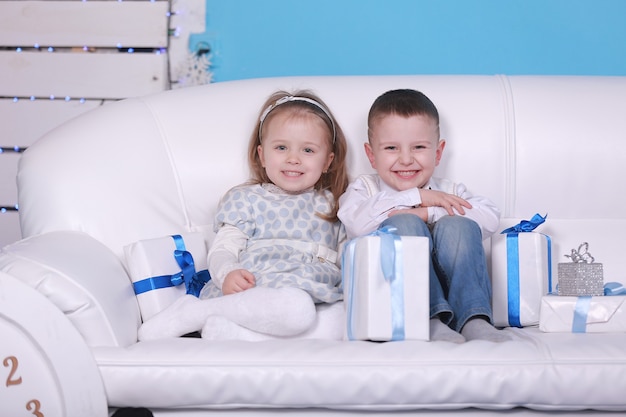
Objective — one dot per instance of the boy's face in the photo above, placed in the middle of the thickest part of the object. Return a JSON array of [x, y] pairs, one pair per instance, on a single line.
[[404, 150]]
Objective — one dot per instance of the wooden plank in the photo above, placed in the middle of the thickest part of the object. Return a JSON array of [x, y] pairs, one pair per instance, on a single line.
[[9, 228], [82, 75], [24, 121], [8, 172], [84, 23]]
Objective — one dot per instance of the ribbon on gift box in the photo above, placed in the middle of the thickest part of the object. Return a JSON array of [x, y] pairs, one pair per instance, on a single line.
[[581, 309], [194, 281], [392, 266], [512, 263]]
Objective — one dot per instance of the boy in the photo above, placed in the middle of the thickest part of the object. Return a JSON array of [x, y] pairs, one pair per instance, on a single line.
[[404, 148]]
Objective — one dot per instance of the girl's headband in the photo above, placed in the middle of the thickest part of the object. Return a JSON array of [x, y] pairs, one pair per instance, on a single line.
[[286, 99]]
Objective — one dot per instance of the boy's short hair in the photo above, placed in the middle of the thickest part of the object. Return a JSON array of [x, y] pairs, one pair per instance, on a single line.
[[403, 102]]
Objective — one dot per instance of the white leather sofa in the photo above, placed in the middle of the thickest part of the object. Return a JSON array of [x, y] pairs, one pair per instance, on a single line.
[[155, 166]]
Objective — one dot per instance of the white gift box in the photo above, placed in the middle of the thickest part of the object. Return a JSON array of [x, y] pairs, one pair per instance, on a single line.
[[521, 275], [157, 276], [379, 309], [585, 314]]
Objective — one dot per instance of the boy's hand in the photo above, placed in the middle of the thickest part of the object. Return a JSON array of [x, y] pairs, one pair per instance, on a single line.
[[237, 281], [450, 202], [421, 212]]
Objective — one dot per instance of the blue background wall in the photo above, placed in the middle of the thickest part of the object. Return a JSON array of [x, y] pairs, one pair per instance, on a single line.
[[251, 38]]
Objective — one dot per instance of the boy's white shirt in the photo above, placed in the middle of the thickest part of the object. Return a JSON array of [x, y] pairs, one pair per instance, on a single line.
[[368, 201]]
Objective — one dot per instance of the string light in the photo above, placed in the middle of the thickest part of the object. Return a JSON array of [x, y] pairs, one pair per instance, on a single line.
[[51, 98], [4, 209], [16, 149]]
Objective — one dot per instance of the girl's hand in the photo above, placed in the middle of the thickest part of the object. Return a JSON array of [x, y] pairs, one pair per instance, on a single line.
[[237, 281], [450, 202]]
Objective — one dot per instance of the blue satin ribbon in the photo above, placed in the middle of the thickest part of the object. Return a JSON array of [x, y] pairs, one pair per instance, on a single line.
[[392, 267], [512, 265], [526, 225], [583, 303], [391, 264], [347, 258], [512, 273], [194, 281], [581, 309], [614, 288]]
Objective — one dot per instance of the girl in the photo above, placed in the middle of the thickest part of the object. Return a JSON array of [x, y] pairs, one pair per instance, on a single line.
[[275, 254]]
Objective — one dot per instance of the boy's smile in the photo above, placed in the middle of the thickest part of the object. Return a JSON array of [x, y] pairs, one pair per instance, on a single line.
[[404, 150]]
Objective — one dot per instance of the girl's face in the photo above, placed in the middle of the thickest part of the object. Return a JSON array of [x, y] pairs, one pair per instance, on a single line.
[[404, 150], [294, 150]]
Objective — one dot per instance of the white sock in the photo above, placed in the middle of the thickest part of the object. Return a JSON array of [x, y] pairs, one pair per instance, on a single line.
[[439, 331], [183, 316], [220, 328], [481, 329], [273, 311]]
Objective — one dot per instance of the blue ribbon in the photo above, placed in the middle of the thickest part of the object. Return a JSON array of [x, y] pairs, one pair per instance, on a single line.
[[512, 273], [512, 265], [581, 309], [347, 258], [614, 288], [391, 265], [194, 281], [526, 225]]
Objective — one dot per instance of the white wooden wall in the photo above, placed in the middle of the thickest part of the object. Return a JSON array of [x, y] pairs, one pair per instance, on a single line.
[[59, 59]]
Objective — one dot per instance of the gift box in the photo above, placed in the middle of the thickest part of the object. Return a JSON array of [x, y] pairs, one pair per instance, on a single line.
[[163, 269], [582, 276], [586, 314], [521, 273], [386, 293]]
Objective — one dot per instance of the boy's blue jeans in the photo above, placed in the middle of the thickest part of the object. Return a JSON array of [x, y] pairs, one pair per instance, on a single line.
[[460, 287]]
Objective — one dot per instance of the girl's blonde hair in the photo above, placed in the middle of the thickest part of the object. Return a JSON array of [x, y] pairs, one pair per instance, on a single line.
[[336, 178]]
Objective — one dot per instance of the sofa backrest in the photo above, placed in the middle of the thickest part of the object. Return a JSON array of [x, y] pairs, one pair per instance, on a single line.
[[158, 165]]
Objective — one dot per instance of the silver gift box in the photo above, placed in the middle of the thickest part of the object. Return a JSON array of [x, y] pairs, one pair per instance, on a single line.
[[580, 278]]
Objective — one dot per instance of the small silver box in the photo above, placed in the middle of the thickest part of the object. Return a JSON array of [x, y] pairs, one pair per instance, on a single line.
[[580, 278]]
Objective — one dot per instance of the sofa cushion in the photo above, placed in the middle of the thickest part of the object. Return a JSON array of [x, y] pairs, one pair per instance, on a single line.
[[537, 370]]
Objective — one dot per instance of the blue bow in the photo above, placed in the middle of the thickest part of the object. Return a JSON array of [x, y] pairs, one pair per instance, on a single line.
[[194, 281], [526, 225], [614, 288]]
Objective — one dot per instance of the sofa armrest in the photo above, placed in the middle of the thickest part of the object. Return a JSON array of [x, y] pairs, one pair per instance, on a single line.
[[83, 278], [46, 366]]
